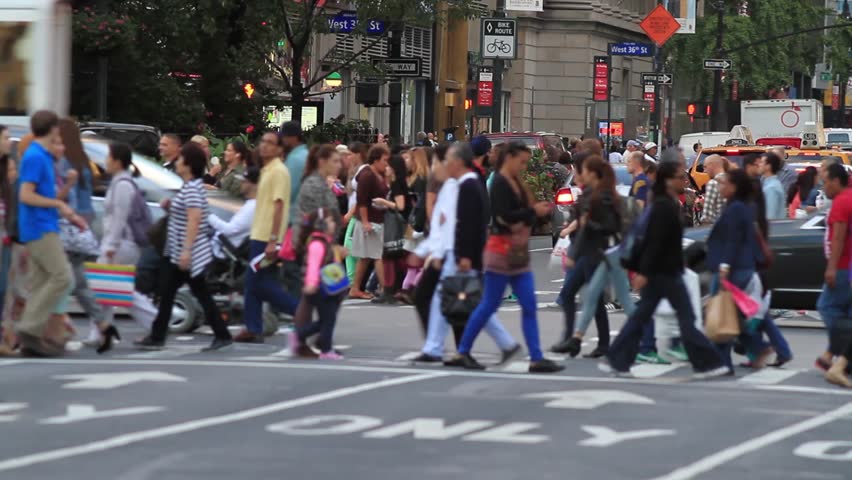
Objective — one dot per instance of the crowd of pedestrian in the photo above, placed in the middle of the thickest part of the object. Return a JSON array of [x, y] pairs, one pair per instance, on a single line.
[[443, 227]]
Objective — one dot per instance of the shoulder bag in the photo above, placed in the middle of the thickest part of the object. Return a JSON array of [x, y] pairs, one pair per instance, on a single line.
[[460, 295]]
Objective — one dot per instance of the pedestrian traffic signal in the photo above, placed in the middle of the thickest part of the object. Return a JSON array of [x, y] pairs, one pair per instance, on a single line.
[[468, 103], [707, 109], [691, 108], [249, 90]]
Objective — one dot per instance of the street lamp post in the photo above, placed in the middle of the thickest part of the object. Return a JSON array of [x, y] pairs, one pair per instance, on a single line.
[[716, 118]]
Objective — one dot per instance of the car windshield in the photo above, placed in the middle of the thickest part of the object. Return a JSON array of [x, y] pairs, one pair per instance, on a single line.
[[736, 158], [531, 142], [812, 158], [838, 138], [553, 141]]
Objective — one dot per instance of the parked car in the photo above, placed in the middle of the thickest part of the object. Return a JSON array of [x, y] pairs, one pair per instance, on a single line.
[[142, 138], [839, 137], [535, 141], [796, 275]]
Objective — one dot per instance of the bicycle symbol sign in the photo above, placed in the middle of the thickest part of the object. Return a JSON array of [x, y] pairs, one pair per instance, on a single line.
[[499, 39]]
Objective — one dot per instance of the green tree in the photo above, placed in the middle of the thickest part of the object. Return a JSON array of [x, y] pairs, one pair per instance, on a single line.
[[758, 69], [290, 28]]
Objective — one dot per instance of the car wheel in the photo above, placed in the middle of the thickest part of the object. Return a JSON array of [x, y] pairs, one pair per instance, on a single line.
[[186, 314]]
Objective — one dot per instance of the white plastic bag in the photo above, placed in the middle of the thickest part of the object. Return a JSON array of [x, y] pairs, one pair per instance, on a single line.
[[665, 317], [559, 251]]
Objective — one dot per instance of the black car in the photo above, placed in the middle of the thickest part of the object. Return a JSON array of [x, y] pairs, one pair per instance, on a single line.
[[796, 276], [142, 138]]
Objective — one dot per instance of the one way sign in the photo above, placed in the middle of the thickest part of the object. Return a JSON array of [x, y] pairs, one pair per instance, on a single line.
[[660, 78], [718, 64]]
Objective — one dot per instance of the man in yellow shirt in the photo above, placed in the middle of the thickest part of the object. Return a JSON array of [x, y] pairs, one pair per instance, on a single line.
[[267, 231]]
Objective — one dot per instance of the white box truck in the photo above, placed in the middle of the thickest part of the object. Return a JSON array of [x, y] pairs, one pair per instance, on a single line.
[[779, 118]]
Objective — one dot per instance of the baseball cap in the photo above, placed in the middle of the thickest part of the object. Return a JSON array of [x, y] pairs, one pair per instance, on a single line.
[[633, 143], [252, 174], [480, 145], [649, 146], [291, 129]]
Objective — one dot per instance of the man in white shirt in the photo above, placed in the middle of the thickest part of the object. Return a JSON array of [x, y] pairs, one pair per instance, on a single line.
[[440, 247], [237, 229]]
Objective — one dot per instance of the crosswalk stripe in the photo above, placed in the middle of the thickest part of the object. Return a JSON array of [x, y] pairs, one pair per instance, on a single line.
[[769, 376], [516, 367], [647, 370]]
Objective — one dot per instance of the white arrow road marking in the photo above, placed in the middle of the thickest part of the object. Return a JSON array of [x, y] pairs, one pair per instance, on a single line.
[[589, 399], [79, 413], [104, 381], [10, 407], [607, 437], [508, 433]]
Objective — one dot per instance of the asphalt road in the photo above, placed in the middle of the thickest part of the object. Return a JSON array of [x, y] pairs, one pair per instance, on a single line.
[[255, 413]]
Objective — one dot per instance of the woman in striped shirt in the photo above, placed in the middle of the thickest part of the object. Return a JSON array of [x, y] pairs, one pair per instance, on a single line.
[[188, 252]]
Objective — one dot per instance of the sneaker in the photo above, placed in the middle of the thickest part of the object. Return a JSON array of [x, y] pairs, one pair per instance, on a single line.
[[607, 368], [247, 337], [596, 353], [464, 360], [426, 358], [678, 353], [652, 358], [218, 344], [712, 373], [332, 355], [384, 300], [149, 343], [511, 298], [509, 354], [545, 366]]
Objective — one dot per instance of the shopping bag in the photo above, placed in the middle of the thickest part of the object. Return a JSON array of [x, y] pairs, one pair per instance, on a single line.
[[112, 285], [721, 321], [558, 254], [742, 300], [394, 232], [665, 318], [287, 251]]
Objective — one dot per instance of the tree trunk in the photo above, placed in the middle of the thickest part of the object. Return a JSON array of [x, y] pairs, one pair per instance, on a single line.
[[297, 98]]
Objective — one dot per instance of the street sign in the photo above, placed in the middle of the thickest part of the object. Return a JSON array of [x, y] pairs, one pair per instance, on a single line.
[[485, 89], [525, 5], [401, 67], [631, 49], [649, 95], [658, 78], [499, 38], [718, 63], [660, 25], [347, 22], [600, 93]]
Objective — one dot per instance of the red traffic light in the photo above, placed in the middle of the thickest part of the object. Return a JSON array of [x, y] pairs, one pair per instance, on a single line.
[[249, 90], [468, 103], [691, 109], [707, 109]]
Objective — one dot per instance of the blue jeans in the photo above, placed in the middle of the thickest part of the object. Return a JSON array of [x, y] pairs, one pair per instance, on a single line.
[[574, 280], [327, 308], [439, 328], [609, 271], [264, 286], [523, 286], [701, 353], [834, 305]]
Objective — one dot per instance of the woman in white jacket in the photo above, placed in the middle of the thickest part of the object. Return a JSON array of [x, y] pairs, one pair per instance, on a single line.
[[118, 246]]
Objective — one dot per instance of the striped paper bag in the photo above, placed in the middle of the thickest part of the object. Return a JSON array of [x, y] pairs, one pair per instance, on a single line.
[[112, 285]]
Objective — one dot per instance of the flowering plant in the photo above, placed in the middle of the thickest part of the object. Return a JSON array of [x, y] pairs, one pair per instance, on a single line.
[[541, 178], [97, 32]]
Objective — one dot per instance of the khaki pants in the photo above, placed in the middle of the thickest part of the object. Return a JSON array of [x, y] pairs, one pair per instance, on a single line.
[[50, 277]]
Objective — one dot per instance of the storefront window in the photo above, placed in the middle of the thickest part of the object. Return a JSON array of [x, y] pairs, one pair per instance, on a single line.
[[15, 54]]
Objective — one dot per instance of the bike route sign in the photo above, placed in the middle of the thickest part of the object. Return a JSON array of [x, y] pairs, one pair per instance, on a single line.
[[499, 38]]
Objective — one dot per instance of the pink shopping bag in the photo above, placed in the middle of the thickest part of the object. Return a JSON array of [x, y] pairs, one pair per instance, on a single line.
[[745, 304]]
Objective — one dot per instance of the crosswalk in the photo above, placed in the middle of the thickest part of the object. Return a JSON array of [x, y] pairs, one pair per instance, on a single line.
[[576, 368]]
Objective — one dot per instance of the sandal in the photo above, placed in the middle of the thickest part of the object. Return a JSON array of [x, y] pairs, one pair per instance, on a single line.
[[360, 296]]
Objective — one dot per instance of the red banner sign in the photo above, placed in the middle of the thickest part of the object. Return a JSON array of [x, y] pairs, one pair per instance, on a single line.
[[600, 92], [485, 94]]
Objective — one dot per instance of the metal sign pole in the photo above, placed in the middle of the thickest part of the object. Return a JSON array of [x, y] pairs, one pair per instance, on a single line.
[[499, 65], [608, 99]]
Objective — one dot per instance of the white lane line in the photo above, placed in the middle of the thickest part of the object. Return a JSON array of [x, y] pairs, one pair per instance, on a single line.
[[541, 250], [769, 376], [136, 437], [646, 370], [710, 462], [408, 369]]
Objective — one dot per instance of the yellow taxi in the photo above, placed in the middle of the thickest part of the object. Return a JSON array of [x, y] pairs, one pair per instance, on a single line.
[[799, 155], [734, 153]]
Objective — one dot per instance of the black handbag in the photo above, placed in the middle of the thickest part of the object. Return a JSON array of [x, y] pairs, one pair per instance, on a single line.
[[394, 232], [460, 295]]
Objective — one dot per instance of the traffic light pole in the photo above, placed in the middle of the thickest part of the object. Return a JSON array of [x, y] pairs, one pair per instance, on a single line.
[[716, 123], [499, 66], [608, 101], [395, 87]]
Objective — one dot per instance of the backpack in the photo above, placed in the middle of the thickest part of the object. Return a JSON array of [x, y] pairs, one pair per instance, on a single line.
[[630, 250], [139, 220]]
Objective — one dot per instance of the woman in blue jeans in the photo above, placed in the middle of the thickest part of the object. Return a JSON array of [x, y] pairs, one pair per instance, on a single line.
[[600, 222], [733, 252], [506, 258]]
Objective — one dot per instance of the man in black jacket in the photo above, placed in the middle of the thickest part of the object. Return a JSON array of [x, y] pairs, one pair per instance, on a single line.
[[660, 276]]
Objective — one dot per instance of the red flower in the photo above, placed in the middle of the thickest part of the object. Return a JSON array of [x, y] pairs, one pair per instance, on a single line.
[[250, 129], [119, 22]]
